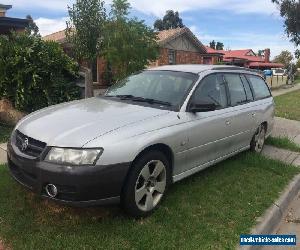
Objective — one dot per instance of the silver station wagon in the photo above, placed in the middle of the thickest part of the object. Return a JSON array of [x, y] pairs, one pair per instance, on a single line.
[[149, 130]]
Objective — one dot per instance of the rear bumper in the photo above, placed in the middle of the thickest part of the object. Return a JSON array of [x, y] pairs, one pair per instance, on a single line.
[[77, 186]]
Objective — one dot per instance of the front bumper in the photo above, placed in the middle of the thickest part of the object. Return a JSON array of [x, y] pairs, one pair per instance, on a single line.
[[77, 186]]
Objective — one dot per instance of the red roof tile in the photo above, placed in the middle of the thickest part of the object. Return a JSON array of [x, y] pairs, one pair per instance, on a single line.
[[264, 64], [237, 54]]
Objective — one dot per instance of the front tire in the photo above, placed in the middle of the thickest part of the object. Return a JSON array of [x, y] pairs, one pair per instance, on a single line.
[[146, 184], [258, 140]]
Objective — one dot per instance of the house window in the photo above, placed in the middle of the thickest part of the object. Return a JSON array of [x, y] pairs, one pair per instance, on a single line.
[[207, 60], [172, 57]]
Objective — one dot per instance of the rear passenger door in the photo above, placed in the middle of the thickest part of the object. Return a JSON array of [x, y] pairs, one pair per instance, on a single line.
[[242, 122], [263, 107], [208, 132]]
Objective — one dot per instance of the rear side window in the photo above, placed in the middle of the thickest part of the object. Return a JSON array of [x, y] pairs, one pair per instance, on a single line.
[[259, 86], [247, 87], [236, 89]]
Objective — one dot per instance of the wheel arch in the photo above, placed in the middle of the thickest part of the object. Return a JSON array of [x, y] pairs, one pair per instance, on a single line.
[[265, 124], [164, 148]]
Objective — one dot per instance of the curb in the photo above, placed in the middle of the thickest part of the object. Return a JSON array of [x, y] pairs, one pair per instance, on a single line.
[[267, 223]]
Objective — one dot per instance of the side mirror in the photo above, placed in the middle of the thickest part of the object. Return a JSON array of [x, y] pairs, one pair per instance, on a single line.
[[203, 107]]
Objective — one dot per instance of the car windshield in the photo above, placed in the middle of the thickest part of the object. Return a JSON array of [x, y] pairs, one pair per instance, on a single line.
[[154, 87]]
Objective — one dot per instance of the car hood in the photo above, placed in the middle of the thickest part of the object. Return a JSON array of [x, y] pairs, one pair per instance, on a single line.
[[77, 123]]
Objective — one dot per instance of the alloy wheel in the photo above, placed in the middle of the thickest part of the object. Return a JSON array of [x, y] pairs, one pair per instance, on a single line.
[[260, 139], [151, 185]]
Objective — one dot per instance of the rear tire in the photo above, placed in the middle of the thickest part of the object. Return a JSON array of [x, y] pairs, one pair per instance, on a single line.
[[258, 140], [146, 184]]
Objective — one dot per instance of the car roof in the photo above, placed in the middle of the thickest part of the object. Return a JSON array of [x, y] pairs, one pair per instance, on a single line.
[[198, 68]]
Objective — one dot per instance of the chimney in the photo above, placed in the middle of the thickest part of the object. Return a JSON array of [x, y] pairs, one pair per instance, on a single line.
[[267, 55], [3, 9]]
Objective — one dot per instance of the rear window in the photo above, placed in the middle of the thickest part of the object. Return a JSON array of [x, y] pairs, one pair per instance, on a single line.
[[259, 86]]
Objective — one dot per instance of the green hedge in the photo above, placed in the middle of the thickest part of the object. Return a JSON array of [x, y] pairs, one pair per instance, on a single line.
[[35, 73]]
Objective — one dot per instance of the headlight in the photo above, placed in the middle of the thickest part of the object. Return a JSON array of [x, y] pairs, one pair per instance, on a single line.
[[74, 156]]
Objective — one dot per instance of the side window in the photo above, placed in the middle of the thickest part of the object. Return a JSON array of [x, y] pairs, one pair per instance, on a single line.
[[236, 89], [247, 87], [211, 90], [259, 86]]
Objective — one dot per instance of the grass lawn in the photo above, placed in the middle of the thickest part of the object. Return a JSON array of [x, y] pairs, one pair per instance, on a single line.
[[283, 142], [5, 132], [288, 105], [206, 211]]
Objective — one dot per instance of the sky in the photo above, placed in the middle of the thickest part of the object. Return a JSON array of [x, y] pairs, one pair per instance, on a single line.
[[239, 24]]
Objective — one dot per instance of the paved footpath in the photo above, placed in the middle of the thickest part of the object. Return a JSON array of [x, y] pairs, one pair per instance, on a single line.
[[286, 156], [282, 91], [287, 128], [290, 223]]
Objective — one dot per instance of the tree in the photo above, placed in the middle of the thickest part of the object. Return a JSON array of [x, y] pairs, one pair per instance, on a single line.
[[285, 58], [35, 73], [297, 53], [85, 32], [298, 64], [216, 45], [212, 44], [32, 28], [219, 46], [159, 25], [171, 20], [129, 43], [289, 10], [261, 52]]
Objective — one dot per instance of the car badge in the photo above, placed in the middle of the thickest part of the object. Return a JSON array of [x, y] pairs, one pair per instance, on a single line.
[[24, 145]]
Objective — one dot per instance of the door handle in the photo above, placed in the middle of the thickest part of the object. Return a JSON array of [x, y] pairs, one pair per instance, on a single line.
[[227, 123]]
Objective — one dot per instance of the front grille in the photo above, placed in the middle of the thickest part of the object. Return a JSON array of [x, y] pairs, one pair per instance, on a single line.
[[34, 147]]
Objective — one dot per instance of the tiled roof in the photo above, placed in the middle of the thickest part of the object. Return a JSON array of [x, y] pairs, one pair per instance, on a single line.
[[59, 36], [270, 64], [5, 7], [213, 51], [163, 37], [237, 54], [169, 34], [242, 54], [166, 36]]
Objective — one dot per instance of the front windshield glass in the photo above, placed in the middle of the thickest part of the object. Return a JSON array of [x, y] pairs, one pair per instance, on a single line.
[[163, 86]]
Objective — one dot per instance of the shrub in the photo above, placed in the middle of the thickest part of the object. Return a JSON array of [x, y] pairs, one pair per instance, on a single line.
[[35, 73]]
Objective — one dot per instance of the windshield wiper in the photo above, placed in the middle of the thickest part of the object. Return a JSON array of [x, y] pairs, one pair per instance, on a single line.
[[150, 100], [142, 99], [125, 96], [120, 96]]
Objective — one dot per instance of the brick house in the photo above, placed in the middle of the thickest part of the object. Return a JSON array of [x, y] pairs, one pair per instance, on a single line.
[[177, 46], [246, 58], [8, 24]]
